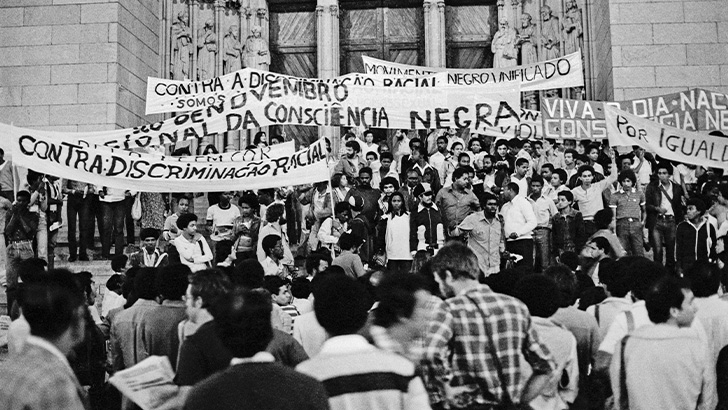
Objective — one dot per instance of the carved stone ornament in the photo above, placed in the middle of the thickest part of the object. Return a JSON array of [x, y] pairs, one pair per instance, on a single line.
[[262, 13], [248, 11], [319, 11], [334, 10]]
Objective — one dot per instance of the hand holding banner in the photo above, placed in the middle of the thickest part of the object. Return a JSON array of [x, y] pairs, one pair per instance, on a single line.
[[625, 129]]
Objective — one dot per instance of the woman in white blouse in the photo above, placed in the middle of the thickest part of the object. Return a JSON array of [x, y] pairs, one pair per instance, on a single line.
[[394, 233]]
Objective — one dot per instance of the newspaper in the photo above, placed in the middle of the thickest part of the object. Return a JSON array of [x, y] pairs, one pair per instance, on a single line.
[[149, 383]]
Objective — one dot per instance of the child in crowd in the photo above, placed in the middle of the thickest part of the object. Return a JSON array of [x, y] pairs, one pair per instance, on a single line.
[[567, 226], [694, 237]]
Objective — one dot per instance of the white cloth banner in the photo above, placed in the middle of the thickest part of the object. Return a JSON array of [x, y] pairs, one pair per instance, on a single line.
[[118, 168], [529, 127], [250, 87], [696, 148], [559, 72]]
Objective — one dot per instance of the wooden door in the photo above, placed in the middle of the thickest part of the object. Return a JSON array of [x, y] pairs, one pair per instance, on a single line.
[[293, 52], [470, 29]]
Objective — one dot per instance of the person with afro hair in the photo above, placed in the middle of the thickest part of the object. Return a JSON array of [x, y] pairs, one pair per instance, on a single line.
[[149, 255]]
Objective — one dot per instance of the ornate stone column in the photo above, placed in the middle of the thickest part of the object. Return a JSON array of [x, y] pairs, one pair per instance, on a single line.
[[327, 53], [434, 33], [219, 10]]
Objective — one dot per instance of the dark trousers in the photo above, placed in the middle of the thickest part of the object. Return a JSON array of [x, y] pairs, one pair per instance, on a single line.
[[629, 232], [96, 218], [664, 231], [128, 220], [113, 227], [399, 266], [589, 229], [523, 247], [79, 209]]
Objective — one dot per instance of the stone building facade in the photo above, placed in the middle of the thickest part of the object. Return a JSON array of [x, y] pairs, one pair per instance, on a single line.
[[82, 65]]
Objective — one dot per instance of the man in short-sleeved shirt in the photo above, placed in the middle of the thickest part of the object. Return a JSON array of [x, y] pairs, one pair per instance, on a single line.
[[456, 201], [485, 234]]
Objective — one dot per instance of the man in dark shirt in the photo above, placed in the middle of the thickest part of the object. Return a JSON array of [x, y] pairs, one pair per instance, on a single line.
[[250, 376], [20, 228], [369, 194]]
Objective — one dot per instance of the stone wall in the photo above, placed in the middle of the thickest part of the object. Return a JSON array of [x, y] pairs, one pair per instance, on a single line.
[[76, 65], [664, 46]]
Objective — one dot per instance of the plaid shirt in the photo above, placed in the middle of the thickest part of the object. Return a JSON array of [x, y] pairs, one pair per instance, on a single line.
[[457, 350]]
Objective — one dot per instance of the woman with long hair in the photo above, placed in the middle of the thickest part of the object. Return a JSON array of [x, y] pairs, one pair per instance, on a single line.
[[393, 235], [260, 139]]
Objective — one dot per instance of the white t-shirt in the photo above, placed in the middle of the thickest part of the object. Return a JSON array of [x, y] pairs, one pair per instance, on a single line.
[[222, 221]]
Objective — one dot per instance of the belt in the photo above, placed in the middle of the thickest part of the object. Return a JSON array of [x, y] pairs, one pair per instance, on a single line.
[[629, 219], [542, 228], [27, 241], [666, 216]]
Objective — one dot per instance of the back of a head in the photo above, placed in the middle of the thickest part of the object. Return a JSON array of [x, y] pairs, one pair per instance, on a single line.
[[458, 259], [333, 270], [603, 218], [115, 282], [274, 212], [301, 288], [664, 294], [614, 278], [51, 304], [570, 260], [704, 279], [397, 298], [210, 285], [531, 290], [145, 284], [32, 268], [642, 271], [249, 274], [341, 305], [172, 281], [118, 263], [565, 283], [243, 322]]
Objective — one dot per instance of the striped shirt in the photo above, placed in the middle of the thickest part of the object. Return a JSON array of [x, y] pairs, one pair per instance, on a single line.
[[628, 204], [357, 375], [293, 313]]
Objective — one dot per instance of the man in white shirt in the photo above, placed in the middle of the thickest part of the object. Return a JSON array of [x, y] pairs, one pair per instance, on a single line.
[[519, 223], [642, 167], [192, 247], [437, 160], [665, 365], [221, 217], [275, 219], [544, 208]]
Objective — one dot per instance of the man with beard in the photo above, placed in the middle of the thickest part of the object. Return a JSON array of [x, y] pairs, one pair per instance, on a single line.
[[426, 230], [388, 186], [465, 364], [368, 194], [485, 234], [350, 162], [489, 175]]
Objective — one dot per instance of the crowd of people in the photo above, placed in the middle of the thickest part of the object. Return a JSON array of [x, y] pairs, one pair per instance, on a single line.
[[437, 273]]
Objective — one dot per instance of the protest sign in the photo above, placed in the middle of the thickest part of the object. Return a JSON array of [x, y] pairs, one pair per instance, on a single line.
[[697, 148], [280, 101], [118, 168], [530, 126], [693, 110], [560, 72], [149, 383], [252, 154]]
